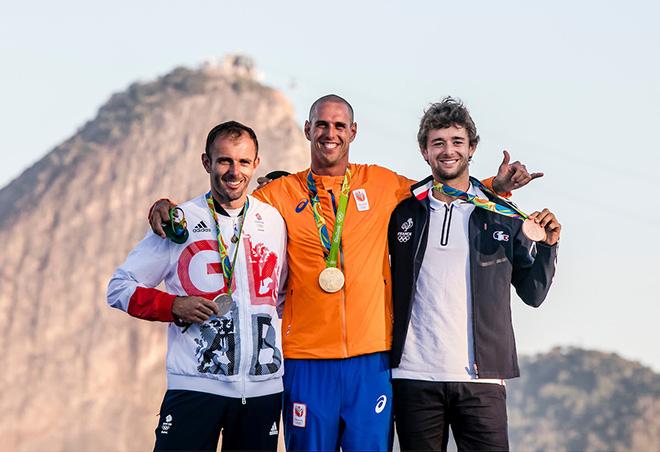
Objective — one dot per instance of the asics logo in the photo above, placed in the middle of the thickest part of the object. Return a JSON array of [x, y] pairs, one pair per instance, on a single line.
[[380, 404], [301, 205]]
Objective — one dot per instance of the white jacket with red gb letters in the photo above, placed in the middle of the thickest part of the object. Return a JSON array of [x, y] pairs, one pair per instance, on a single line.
[[239, 354]]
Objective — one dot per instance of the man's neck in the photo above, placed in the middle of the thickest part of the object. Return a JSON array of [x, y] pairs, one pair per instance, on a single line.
[[460, 183], [229, 205], [337, 170]]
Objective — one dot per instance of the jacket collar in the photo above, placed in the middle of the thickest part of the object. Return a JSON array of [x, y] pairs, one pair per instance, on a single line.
[[420, 190]]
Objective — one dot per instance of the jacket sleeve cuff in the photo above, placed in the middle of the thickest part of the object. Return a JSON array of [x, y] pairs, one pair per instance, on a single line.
[[151, 304], [489, 185], [544, 248]]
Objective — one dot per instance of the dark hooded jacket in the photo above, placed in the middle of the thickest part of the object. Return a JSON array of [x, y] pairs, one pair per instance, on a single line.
[[500, 256]]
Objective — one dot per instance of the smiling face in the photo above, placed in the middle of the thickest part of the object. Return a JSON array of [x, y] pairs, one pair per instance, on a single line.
[[330, 131], [231, 163], [448, 152]]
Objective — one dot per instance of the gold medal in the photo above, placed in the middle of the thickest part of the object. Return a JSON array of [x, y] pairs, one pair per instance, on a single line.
[[331, 279], [224, 302], [533, 230]]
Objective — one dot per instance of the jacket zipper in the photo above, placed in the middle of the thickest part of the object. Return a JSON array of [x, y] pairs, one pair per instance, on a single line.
[[288, 308], [474, 311], [344, 335], [343, 304], [245, 324], [414, 264], [343, 321]]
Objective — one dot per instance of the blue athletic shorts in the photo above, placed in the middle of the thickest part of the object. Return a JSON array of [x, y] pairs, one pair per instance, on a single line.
[[332, 403]]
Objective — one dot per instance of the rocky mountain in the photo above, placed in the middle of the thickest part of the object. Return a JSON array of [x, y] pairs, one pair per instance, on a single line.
[[578, 400], [77, 375]]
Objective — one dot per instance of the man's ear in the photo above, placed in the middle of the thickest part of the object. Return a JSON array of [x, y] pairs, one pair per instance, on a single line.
[[425, 154], [471, 151], [353, 131], [306, 129], [257, 161], [206, 162]]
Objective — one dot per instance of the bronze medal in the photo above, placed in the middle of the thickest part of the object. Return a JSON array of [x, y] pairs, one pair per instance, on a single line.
[[533, 230], [331, 279], [224, 302]]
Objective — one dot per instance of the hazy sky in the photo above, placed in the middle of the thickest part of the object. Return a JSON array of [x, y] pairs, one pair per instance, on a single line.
[[570, 88]]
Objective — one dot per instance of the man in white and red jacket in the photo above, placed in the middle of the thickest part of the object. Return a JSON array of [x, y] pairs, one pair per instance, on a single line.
[[224, 358]]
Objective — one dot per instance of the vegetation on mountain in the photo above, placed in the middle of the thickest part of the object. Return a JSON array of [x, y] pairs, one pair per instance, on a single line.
[[575, 399]]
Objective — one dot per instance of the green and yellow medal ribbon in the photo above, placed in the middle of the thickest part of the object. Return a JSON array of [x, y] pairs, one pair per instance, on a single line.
[[503, 207], [330, 247], [226, 264]]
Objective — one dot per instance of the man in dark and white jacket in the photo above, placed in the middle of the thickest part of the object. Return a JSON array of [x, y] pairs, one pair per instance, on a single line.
[[224, 358], [454, 260]]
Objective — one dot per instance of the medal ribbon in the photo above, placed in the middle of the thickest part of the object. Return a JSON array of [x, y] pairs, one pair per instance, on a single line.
[[507, 208], [330, 247], [227, 265]]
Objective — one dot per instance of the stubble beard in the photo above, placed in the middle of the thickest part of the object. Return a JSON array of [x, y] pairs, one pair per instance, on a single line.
[[226, 195], [330, 160], [449, 176]]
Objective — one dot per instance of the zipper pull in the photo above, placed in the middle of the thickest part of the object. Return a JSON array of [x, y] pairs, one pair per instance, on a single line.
[[476, 370], [243, 401]]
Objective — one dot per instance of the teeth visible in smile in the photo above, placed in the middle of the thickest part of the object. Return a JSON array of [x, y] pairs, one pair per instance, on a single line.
[[234, 184], [329, 145]]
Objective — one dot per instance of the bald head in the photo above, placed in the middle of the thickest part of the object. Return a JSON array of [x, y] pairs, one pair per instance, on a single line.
[[330, 98]]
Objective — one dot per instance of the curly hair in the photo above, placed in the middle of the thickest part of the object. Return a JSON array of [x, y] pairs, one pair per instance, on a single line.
[[446, 113]]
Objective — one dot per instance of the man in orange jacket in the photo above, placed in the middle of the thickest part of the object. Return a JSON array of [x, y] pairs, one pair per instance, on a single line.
[[337, 318]]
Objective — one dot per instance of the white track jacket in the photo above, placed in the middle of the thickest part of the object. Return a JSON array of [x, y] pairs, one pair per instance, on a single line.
[[239, 354]]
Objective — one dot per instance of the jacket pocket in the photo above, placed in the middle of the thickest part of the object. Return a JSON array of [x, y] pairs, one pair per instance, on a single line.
[[494, 245], [485, 263]]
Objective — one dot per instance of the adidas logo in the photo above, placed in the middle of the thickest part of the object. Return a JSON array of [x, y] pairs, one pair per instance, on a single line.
[[273, 430], [201, 227]]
